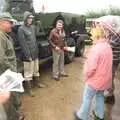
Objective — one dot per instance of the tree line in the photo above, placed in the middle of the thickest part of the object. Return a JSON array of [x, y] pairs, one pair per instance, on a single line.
[[112, 10]]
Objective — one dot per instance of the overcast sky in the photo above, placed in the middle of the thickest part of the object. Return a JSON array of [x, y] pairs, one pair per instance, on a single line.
[[73, 6]]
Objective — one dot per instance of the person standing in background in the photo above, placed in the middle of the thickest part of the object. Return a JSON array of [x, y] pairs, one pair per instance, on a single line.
[[7, 61], [98, 76], [57, 42], [28, 43]]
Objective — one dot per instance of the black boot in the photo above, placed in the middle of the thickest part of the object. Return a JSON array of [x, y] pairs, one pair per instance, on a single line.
[[96, 117], [36, 80], [110, 99], [29, 88]]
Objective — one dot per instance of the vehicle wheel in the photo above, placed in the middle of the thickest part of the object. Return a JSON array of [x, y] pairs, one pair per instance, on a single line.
[[69, 57], [80, 49]]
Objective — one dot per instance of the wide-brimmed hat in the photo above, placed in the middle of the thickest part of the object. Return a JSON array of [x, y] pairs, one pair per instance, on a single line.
[[6, 16], [111, 22]]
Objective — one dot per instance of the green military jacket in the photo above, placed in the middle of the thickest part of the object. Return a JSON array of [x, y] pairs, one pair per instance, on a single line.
[[7, 53]]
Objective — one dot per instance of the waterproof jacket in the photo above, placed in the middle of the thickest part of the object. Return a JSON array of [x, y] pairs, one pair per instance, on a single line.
[[7, 54], [27, 40]]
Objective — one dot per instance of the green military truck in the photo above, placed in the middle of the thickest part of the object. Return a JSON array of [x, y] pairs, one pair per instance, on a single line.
[[16, 9], [74, 26]]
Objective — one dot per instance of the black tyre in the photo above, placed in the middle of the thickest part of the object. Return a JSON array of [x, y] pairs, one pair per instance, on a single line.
[[80, 48], [69, 57]]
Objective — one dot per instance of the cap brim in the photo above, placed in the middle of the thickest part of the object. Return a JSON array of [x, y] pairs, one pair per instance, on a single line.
[[31, 16], [12, 20], [8, 19]]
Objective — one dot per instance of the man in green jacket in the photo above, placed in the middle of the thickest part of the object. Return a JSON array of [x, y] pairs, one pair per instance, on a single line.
[[7, 54], [8, 61]]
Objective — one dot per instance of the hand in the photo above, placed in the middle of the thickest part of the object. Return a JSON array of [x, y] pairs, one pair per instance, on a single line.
[[65, 49], [4, 96], [57, 49]]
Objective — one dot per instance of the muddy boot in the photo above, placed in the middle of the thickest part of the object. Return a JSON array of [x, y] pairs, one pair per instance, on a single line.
[[21, 116], [63, 75], [29, 89], [96, 117], [37, 82], [109, 98]]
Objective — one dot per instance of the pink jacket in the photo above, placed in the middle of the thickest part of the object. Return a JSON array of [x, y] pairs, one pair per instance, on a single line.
[[98, 67]]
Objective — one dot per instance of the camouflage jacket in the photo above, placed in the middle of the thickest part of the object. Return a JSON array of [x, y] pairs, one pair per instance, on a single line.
[[7, 54]]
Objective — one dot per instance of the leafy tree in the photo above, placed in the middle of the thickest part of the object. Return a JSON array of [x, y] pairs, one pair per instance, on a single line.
[[112, 10]]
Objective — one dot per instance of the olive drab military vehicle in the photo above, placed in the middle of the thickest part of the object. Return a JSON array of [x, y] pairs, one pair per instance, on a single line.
[[16, 9], [74, 26]]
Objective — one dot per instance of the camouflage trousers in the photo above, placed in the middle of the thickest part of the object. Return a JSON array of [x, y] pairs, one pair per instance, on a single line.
[[11, 107]]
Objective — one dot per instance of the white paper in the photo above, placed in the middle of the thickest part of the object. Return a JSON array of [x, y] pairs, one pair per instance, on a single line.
[[11, 81], [70, 49]]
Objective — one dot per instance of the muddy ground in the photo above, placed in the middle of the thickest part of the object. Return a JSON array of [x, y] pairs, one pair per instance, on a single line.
[[60, 99]]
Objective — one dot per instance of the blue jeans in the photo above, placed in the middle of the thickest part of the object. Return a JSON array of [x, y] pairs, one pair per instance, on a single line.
[[89, 93]]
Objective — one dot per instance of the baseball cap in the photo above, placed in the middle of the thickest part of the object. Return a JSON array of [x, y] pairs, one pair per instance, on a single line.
[[6, 16], [30, 16]]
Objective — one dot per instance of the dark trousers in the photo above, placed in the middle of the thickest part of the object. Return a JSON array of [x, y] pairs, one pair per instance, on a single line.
[[114, 69]]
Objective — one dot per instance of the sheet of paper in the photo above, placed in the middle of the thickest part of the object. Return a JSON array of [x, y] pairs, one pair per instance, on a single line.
[[11, 81]]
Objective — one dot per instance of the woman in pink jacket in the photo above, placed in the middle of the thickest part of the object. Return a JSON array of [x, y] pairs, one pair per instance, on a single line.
[[98, 76]]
